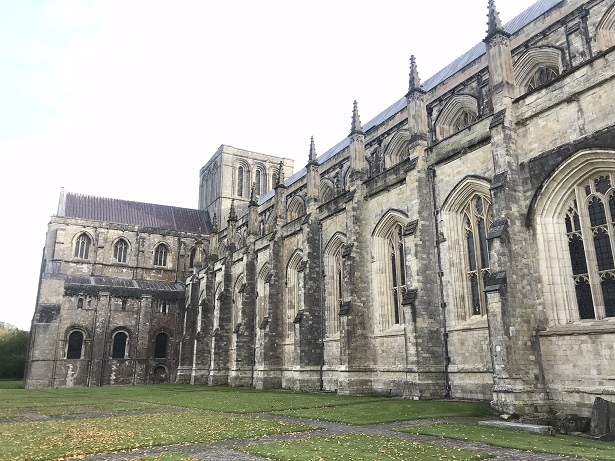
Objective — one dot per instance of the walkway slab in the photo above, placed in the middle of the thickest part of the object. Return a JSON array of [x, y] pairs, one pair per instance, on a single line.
[[531, 428]]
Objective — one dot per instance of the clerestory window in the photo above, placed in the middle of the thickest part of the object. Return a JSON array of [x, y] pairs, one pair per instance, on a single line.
[[160, 255], [541, 77], [120, 250]]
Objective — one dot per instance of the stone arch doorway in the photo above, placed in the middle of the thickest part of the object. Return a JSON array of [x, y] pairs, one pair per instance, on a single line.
[[159, 375]]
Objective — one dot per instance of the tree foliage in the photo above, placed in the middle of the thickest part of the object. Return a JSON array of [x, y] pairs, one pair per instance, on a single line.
[[13, 349]]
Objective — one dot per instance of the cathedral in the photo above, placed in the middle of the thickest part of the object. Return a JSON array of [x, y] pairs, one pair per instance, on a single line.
[[458, 245]]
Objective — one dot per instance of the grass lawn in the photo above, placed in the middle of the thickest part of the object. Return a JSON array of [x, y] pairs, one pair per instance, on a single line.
[[387, 410], [58, 439], [358, 447], [10, 384], [558, 444]]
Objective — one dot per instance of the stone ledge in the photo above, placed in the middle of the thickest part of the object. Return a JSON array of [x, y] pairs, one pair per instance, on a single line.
[[531, 428]]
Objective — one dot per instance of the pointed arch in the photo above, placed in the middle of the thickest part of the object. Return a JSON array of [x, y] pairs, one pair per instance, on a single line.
[[396, 149], [296, 208], [81, 244], [605, 30], [575, 226], [537, 66], [294, 293], [465, 220], [238, 289], [389, 269], [334, 281], [460, 111], [121, 248], [262, 293], [326, 190], [161, 253]]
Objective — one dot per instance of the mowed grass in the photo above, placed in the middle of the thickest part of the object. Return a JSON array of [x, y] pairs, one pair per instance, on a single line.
[[378, 411], [75, 438], [558, 444], [357, 446]]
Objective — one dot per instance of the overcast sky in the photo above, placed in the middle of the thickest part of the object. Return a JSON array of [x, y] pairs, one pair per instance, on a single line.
[[128, 99]]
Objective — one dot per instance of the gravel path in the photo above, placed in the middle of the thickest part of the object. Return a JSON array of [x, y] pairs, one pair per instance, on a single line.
[[226, 450]]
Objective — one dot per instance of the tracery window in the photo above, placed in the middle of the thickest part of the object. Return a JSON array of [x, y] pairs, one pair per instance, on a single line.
[[590, 223], [82, 246], [335, 289], [397, 274], [75, 345], [160, 255], [466, 118], [120, 341], [541, 77], [120, 249], [293, 294], [160, 346], [477, 219], [240, 179]]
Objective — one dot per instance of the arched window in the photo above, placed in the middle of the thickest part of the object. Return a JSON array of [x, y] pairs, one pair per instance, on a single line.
[[390, 267], [294, 291], [590, 221], [274, 179], [192, 256], [334, 285], [257, 183], [296, 208], [160, 346], [465, 119], [120, 341], [75, 345], [264, 277], [326, 191], [477, 219], [82, 246], [240, 180], [120, 249], [397, 278], [160, 255], [541, 77]]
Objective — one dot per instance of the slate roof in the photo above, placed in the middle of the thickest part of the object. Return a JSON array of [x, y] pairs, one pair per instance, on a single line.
[[513, 26], [124, 287], [133, 213]]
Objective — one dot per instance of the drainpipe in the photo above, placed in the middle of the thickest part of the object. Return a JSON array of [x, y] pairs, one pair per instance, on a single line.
[[322, 314], [447, 382]]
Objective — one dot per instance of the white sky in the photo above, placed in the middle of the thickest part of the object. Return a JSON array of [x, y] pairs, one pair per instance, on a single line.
[[128, 99]]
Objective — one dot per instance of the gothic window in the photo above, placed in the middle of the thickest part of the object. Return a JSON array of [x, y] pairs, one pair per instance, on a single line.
[[120, 341], [296, 208], [82, 246], [240, 179], [120, 249], [75, 345], [236, 315], [589, 222], [264, 277], [397, 279], [541, 77], [334, 286], [160, 255], [274, 179], [477, 219], [294, 287], [466, 118], [192, 256], [390, 268], [257, 183], [160, 346]]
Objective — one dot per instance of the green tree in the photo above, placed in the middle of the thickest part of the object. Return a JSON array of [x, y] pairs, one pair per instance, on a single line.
[[13, 350]]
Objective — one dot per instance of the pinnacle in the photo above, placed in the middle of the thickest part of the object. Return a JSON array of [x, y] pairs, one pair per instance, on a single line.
[[355, 127], [312, 156], [415, 81], [493, 19]]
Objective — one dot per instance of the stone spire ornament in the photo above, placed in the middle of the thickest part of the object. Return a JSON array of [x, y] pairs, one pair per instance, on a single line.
[[415, 81], [312, 156], [280, 174], [494, 24], [232, 214], [253, 194], [355, 127], [214, 225]]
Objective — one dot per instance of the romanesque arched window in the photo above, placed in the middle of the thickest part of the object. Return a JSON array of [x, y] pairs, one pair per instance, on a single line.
[[160, 255], [82, 246], [477, 219], [334, 282], [390, 268], [240, 180], [75, 345], [120, 342], [120, 250], [160, 346]]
